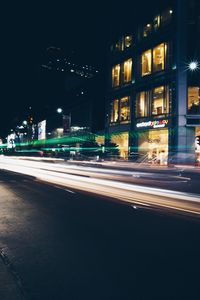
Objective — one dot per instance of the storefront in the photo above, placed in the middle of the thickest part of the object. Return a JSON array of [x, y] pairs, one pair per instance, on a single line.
[[197, 144], [153, 141], [122, 140]]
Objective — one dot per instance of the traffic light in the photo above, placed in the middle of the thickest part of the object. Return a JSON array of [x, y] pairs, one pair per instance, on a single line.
[[198, 140]]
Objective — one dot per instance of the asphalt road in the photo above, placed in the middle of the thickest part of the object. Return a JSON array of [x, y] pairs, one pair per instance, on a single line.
[[169, 191], [62, 244]]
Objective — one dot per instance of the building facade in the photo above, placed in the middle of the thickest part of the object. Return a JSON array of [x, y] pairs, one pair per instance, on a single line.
[[153, 98]]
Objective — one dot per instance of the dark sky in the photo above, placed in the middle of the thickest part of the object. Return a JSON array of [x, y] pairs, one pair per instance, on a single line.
[[29, 27]]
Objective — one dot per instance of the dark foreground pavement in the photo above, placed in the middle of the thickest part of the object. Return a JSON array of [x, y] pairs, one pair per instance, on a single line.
[[59, 245]]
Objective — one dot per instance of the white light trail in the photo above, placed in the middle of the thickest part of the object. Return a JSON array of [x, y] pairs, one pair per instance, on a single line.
[[57, 174]]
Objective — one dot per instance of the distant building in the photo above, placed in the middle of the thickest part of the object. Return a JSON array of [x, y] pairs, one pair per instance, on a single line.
[[153, 95]]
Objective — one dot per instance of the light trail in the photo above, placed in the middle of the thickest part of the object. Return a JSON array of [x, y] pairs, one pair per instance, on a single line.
[[141, 195]]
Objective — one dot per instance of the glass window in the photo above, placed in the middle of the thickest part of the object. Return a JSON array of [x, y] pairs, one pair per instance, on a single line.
[[194, 100], [166, 16], [142, 104], [146, 63], [127, 71], [116, 75], [147, 30], [160, 101], [159, 58], [156, 22], [125, 109], [114, 111], [128, 41]]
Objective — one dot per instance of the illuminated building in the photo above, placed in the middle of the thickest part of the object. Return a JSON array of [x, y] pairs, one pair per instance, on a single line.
[[153, 98]]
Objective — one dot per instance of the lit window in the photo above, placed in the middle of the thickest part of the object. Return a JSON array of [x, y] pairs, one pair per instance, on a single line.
[[146, 63], [194, 100], [156, 22], [142, 104], [114, 111], [160, 101], [159, 58], [116, 75], [127, 71], [125, 109], [147, 30], [128, 41], [166, 16]]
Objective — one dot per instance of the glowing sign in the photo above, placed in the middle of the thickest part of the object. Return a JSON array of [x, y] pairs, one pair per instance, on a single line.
[[42, 130], [153, 124]]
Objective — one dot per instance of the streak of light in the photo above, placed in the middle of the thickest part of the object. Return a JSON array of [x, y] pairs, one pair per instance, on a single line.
[[125, 192]]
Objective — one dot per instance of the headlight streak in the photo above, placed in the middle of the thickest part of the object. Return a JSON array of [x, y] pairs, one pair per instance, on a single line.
[[130, 193]]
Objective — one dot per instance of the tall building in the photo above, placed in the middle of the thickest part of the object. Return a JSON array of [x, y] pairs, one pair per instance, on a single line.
[[153, 95]]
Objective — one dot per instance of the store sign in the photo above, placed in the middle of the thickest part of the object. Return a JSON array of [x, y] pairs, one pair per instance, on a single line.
[[42, 130], [153, 124]]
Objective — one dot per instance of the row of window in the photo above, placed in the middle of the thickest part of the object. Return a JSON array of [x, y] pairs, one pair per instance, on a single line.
[[152, 60], [154, 102], [159, 20]]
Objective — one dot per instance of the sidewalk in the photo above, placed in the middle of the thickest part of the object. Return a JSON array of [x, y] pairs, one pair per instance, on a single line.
[[128, 165]]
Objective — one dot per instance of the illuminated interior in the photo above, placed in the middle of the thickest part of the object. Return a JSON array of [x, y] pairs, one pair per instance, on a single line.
[[159, 58], [194, 100], [128, 41], [156, 22], [127, 70], [125, 109], [147, 30], [146, 62], [154, 145], [116, 75], [160, 101], [114, 114], [121, 140], [142, 104]]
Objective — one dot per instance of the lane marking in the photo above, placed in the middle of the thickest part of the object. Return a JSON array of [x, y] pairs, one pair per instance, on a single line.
[[69, 191]]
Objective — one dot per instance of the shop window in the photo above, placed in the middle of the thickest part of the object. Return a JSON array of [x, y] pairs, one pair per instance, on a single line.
[[114, 111], [160, 101], [127, 70], [125, 109], [142, 104], [156, 23], [159, 58], [146, 63], [153, 145], [193, 100], [116, 75], [166, 17], [147, 30], [128, 41]]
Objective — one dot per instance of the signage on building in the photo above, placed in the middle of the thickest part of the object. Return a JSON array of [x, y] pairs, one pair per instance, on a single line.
[[153, 124], [11, 141], [42, 130]]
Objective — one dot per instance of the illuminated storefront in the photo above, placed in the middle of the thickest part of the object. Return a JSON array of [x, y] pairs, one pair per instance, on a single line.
[[121, 139], [153, 97], [154, 144]]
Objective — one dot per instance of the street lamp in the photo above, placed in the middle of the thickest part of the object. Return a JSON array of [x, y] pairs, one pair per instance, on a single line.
[[193, 66], [59, 110], [25, 122]]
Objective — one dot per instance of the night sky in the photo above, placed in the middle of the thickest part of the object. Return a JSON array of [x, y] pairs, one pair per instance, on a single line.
[[81, 29]]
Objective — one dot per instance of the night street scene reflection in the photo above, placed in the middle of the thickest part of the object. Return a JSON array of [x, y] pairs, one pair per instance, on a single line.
[[100, 150]]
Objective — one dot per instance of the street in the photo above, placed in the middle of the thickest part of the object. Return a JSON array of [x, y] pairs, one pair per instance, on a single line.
[[61, 243]]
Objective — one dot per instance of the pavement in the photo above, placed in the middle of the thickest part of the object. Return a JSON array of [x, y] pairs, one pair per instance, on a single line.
[[9, 286]]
